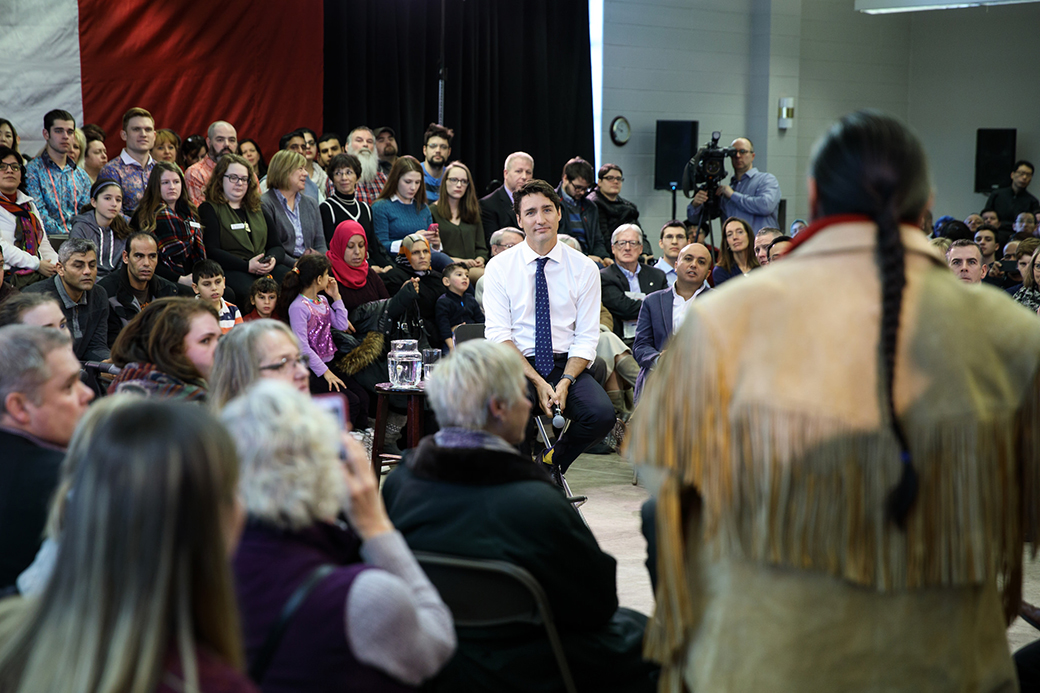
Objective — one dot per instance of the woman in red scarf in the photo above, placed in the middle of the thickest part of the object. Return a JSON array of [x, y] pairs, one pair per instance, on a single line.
[[28, 255], [348, 253]]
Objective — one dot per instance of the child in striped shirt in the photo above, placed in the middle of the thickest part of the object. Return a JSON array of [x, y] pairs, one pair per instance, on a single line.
[[207, 281]]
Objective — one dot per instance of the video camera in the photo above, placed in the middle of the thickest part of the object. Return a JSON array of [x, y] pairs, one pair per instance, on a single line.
[[705, 171]]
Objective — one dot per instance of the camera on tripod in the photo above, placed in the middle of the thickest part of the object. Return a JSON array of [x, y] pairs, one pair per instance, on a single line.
[[705, 171]]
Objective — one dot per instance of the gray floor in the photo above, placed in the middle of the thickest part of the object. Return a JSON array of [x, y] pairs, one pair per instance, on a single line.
[[613, 514]]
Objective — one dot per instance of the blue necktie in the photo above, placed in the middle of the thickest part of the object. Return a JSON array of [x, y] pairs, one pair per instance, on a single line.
[[543, 350]]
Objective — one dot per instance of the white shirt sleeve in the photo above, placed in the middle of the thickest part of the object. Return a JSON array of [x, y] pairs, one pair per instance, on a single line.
[[497, 318]]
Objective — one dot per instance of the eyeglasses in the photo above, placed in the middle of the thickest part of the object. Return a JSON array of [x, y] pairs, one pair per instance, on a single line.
[[628, 244], [613, 179], [344, 173], [458, 181], [235, 180], [300, 360], [742, 152], [9, 167], [507, 246]]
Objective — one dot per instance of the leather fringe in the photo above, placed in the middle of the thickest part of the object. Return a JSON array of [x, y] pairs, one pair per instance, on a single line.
[[808, 492]]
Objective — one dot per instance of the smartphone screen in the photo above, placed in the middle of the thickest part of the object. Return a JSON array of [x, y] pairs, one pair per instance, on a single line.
[[336, 404]]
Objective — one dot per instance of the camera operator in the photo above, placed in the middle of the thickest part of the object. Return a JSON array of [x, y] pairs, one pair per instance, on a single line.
[[752, 195]]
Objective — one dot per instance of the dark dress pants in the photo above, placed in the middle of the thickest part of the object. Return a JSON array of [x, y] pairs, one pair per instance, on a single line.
[[588, 408]]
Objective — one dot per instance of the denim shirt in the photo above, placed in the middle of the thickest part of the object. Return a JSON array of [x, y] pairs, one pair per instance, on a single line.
[[756, 199]]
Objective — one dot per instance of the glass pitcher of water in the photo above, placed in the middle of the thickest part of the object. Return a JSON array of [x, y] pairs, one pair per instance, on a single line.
[[405, 363]]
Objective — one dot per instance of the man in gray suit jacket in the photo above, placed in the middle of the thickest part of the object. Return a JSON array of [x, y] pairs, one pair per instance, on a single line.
[[662, 311]]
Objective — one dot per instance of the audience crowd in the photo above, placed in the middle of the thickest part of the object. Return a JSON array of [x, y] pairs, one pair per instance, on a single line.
[[217, 304]]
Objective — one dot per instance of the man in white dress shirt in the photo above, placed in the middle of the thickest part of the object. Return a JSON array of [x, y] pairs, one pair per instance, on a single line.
[[543, 291]]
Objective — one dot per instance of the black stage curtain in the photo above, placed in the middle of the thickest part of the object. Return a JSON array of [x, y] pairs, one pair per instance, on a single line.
[[518, 77]]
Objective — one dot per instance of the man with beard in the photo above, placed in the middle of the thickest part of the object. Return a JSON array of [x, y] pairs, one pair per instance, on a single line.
[[135, 284], [84, 304], [436, 150], [386, 148], [221, 139], [362, 144]]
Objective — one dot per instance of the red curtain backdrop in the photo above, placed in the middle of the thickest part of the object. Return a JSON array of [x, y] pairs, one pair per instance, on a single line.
[[190, 62]]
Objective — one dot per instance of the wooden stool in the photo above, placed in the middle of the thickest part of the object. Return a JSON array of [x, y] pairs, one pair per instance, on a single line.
[[416, 410]]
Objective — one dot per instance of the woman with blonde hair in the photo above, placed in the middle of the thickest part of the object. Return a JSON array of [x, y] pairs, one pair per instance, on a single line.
[[292, 217], [371, 620], [141, 597], [252, 351]]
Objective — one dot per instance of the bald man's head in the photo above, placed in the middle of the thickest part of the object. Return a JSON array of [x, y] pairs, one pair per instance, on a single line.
[[692, 266]]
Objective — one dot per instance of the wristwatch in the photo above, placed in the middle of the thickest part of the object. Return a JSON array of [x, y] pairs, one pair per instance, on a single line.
[[567, 376]]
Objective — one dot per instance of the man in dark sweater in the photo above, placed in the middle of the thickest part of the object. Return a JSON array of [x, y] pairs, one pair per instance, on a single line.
[[134, 285], [41, 401], [85, 305], [456, 307], [1011, 201]]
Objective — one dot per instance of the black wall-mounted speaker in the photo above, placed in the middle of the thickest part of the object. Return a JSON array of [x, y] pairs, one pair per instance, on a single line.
[[994, 158], [676, 144]]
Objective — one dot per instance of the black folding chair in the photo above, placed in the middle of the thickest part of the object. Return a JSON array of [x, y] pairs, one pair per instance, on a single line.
[[464, 333], [483, 593]]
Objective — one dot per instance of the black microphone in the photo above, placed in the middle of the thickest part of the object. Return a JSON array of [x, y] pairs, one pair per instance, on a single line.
[[558, 420], [109, 368]]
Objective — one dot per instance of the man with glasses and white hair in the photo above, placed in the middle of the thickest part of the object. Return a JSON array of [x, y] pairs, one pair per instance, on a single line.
[[751, 195], [503, 239], [627, 282], [467, 491], [41, 401]]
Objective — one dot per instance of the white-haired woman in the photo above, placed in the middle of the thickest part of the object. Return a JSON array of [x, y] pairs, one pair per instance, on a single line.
[[141, 597], [374, 622], [467, 491]]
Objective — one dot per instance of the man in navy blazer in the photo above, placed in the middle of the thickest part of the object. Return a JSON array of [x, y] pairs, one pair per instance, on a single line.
[[663, 310]]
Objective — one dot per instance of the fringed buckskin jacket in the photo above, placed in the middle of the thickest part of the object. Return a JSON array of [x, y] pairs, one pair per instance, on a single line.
[[778, 569]]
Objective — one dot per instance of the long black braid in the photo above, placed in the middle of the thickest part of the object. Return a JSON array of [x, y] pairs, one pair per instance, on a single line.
[[872, 164]]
